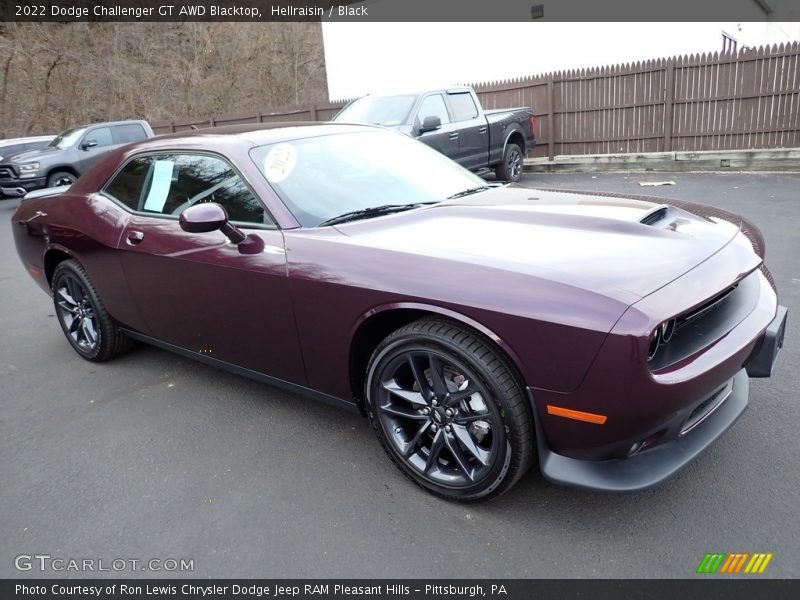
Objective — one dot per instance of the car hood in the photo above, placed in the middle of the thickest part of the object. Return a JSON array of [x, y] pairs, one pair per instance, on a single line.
[[31, 155], [591, 242]]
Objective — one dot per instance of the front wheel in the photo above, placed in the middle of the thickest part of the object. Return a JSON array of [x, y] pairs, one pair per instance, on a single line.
[[448, 410], [88, 327], [60, 178], [510, 169]]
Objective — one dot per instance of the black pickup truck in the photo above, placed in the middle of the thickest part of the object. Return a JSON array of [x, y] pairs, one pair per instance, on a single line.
[[453, 122]]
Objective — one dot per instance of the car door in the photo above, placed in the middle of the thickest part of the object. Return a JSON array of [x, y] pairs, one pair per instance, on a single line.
[[473, 130], [93, 145], [444, 139], [197, 291]]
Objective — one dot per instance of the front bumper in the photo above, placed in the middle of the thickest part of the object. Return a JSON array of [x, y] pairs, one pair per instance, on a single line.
[[16, 188], [650, 467], [761, 363]]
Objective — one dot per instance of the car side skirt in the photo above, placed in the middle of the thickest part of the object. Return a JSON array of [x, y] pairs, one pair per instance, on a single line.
[[651, 467], [288, 386]]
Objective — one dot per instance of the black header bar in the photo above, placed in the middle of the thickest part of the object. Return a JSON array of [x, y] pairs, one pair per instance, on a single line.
[[410, 589], [398, 10]]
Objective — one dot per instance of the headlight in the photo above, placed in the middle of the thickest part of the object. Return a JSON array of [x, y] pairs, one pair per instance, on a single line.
[[28, 169], [660, 336], [655, 342]]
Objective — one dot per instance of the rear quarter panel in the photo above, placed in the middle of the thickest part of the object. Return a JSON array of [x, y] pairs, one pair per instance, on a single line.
[[87, 227], [502, 125]]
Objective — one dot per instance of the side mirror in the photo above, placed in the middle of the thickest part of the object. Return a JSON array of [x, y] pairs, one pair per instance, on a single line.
[[89, 144], [210, 216], [202, 218], [430, 123]]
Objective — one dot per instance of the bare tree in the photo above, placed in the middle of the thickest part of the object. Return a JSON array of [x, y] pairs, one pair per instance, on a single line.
[[55, 75]]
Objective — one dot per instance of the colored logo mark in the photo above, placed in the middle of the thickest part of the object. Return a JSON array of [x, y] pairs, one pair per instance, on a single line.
[[738, 562]]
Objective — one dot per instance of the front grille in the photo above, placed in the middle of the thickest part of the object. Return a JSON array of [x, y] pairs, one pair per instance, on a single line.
[[706, 323], [6, 174], [704, 309]]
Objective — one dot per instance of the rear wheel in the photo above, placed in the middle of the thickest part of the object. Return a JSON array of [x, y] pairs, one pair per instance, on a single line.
[[88, 327], [510, 169], [448, 410]]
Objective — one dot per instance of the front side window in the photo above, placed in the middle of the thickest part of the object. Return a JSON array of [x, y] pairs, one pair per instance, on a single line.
[[463, 106], [168, 184], [433, 106], [101, 135]]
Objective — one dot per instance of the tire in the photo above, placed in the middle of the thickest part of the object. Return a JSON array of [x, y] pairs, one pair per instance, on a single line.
[[88, 327], [435, 386], [61, 178], [510, 169]]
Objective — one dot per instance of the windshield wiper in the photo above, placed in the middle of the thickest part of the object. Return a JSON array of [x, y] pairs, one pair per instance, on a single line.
[[374, 211], [471, 191]]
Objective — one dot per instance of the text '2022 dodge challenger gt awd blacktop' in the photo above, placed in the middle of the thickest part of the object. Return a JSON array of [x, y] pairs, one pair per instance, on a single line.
[[478, 326]]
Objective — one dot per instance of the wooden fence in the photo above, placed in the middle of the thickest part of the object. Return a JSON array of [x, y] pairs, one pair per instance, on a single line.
[[741, 100]]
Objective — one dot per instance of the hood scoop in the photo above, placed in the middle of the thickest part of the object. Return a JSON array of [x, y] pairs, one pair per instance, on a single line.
[[653, 216]]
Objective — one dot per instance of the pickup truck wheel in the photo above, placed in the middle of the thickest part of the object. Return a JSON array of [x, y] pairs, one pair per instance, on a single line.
[[511, 167], [88, 327], [448, 410], [61, 178]]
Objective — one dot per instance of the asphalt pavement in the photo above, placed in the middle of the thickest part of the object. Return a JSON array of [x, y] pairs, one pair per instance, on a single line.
[[154, 456]]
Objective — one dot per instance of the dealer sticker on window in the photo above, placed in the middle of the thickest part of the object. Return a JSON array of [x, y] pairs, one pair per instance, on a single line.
[[280, 162]]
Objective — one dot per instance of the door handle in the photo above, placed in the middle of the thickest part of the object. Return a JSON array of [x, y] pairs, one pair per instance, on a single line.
[[482, 130], [454, 136], [134, 237]]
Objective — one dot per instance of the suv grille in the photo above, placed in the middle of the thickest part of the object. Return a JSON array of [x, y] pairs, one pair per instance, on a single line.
[[6, 173]]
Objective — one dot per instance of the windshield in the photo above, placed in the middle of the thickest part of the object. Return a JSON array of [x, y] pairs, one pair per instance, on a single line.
[[372, 110], [323, 177], [67, 138]]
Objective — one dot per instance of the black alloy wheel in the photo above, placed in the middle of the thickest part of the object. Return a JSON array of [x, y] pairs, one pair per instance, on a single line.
[[511, 167], [448, 411], [76, 313], [88, 327]]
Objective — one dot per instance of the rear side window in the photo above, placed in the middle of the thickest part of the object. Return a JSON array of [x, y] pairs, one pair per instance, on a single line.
[[102, 136], [463, 106], [131, 183], [433, 106], [168, 184], [132, 132]]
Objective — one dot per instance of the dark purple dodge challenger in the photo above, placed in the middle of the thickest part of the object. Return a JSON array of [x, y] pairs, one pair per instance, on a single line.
[[478, 326]]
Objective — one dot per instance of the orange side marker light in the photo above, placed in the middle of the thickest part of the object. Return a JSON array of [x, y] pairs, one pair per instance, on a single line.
[[578, 415]]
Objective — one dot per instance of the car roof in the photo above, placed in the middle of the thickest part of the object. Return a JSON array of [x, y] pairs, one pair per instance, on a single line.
[[454, 89], [258, 134], [26, 140], [108, 123]]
